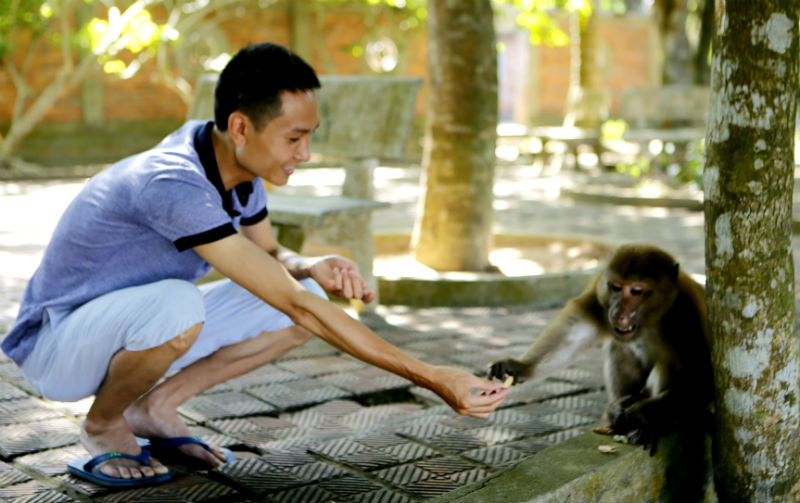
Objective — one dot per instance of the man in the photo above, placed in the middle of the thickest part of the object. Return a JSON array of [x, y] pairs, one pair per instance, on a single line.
[[112, 308]]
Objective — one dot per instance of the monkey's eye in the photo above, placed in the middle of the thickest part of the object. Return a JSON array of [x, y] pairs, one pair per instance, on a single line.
[[614, 287], [637, 291]]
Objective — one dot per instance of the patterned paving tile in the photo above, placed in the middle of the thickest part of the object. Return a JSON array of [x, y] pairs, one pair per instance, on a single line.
[[26, 409], [266, 374], [445, 465], [496, 455], [36, 436], [253, 430], [221, 405], [188, 489], [303, 494], [9, 392], [10, 476], [568, 419], [349, 486], [321, 365], [32, 492], [432, 487], [317, 471], [368, 460], [402, 475], [410, 451], [381, 496], [292, 394], [258, 476], [54, 461], [367, 380]]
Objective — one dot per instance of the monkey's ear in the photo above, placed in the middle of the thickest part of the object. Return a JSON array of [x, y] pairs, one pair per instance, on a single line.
[[673, 272]]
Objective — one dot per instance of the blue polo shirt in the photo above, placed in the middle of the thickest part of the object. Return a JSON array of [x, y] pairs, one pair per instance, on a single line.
[[136, 223]]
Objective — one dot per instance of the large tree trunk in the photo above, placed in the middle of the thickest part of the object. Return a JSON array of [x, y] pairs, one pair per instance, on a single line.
[[453, 230], [748, 212]]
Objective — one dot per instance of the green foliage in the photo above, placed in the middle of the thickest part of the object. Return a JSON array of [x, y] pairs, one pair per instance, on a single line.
[[133, 31], [23, 16], [536, 16], [613, 129]]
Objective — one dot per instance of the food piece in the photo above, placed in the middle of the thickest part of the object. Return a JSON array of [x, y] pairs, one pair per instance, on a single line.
[[606, 449], [603, 430], [508, 382]]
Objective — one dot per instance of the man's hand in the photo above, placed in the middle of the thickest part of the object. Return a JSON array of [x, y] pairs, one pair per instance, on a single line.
[[466, 393], [340, 276]]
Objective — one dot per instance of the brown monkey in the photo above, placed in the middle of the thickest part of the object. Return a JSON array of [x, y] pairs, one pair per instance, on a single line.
[[652, 318]]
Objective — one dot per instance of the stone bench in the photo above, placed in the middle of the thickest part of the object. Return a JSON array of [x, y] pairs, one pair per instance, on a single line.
[[664, 119], [580, 130], [362, 120]]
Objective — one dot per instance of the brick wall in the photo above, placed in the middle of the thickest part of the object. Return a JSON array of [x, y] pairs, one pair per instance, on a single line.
[[628, 49]]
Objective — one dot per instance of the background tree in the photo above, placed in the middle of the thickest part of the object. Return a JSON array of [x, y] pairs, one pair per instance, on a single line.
[[454, 230], [685, 27], [88, 35], [748, 214]]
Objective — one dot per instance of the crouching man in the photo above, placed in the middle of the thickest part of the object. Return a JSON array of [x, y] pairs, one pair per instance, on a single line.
[[113, 308]]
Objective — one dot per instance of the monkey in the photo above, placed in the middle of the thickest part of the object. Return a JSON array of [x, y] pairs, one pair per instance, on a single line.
[[651, 317]]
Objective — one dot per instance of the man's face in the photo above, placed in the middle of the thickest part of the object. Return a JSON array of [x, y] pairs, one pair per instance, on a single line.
[[274, 152]]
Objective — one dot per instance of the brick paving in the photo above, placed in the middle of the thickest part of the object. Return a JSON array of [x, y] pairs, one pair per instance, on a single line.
[[318, 425]]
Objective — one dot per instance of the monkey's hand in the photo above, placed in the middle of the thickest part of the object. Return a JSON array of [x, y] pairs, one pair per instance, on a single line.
[[501, 369], [625, 417], [646, 437]]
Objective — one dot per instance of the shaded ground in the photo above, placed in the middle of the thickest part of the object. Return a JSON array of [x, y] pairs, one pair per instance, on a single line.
[[319, 426]]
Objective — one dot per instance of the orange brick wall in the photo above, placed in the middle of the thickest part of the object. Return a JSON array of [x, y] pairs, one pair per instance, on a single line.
[[628, 56], [628, 48]]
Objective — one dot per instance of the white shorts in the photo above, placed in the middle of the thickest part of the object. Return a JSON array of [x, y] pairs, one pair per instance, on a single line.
[[71, 355]]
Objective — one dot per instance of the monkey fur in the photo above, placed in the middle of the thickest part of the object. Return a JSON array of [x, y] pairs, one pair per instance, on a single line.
[[651, 317]]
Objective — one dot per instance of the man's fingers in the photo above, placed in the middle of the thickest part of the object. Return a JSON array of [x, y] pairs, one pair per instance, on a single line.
[[337, 279], [358, 285]]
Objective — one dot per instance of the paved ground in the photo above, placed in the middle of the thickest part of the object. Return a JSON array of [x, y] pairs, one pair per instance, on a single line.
[[319, 426]]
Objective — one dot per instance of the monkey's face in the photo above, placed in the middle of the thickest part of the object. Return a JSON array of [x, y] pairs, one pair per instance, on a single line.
[[630, 304]]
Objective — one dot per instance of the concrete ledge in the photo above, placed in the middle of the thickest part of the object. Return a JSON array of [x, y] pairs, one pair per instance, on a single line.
[[484, 289], [409, 283], [632, 197], [577, 471]]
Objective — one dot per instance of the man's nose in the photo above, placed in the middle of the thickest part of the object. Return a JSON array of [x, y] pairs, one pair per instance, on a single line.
[[303, 153]]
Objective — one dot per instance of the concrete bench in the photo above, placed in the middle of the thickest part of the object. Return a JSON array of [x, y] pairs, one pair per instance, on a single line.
[[580, 131], [664, 119], [294, 215], [362, 120]]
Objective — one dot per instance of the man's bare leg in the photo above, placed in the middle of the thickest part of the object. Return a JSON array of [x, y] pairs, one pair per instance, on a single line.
[[130, 375], [154, 415]]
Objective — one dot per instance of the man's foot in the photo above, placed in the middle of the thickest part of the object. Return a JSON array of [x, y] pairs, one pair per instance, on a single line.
[[151, 423], [103, 438]]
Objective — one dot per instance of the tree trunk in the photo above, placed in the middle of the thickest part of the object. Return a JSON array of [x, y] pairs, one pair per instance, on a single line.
[[702, 70], [748, 214], [678, 67], [453, 230]]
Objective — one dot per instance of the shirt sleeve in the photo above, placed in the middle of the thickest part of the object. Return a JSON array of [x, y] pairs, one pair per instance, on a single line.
[[187, 210]]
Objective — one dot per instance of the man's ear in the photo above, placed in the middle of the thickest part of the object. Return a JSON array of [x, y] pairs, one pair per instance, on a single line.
[[238, 124]]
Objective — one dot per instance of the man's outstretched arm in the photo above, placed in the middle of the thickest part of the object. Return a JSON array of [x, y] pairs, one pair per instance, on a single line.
[[335, 274], [244, 262]]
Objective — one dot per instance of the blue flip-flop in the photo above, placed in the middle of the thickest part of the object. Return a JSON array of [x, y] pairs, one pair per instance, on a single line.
[[166, 450], [86, 469]]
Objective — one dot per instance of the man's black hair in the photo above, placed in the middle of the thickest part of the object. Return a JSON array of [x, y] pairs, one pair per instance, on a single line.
[[253, 80]]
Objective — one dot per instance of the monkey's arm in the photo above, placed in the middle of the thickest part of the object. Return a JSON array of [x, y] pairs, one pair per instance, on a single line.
[[575, 326]]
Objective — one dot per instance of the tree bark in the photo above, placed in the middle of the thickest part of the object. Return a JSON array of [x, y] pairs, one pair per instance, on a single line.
[[453, 230], [748, 214]]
